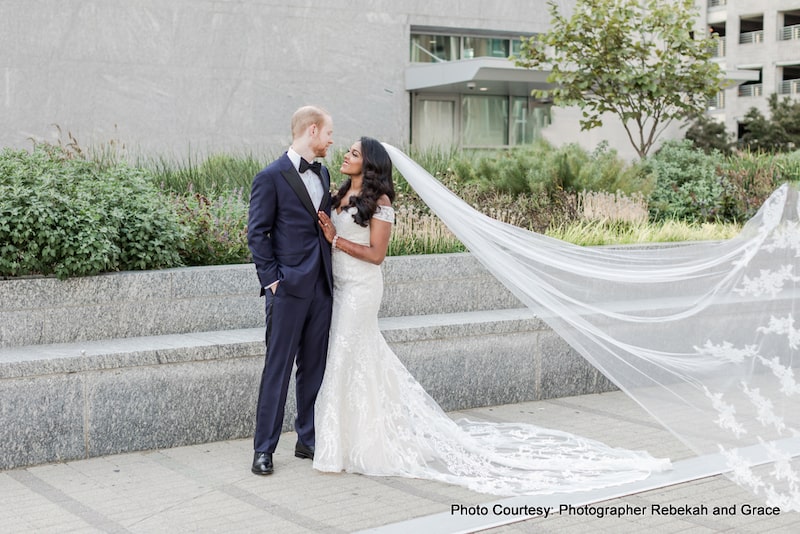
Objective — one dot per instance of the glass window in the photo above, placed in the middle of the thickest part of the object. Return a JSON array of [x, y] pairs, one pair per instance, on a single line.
[[433, 48], [484, 47], [484, 120], [435, 127], [527, 120]]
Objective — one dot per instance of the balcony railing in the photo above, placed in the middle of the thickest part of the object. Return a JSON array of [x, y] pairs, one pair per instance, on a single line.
[[715, 3], [718, 48], [718, 102], [751, 37], [753, 89], [791, 32], [789, 87]]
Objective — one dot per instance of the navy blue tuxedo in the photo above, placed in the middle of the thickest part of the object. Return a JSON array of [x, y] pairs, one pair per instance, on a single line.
[[288, 246], [283, 231]]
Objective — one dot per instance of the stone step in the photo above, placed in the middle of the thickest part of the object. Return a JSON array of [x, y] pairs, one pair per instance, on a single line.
[[41, 311], [98, 397]]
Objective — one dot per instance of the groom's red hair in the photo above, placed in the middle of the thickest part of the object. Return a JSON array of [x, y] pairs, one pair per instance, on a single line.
[[305, 117]]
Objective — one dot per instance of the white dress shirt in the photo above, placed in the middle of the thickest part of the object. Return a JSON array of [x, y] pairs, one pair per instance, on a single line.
[[310, 179]]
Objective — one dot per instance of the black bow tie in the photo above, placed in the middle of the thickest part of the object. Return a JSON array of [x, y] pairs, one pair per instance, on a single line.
[[316, 167]]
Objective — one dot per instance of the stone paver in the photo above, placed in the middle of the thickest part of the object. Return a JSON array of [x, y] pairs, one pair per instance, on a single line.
[[209, 488]]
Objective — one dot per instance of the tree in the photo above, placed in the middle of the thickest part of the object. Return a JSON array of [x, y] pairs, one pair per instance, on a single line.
[[636, 59], [709, 135], [779, 133]]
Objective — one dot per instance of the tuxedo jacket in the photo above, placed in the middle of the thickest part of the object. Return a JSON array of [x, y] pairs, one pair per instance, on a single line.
[[283, 231]]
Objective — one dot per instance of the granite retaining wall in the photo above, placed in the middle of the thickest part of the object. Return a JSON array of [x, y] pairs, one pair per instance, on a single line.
[[143, 360]]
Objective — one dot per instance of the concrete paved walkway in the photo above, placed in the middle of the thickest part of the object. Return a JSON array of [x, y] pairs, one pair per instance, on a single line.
[[209, 488]]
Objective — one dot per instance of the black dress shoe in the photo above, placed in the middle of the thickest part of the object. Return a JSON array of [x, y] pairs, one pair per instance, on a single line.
[[304, 451], [262, 463]]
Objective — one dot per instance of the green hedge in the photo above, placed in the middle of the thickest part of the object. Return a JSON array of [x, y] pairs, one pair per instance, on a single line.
[[63, 215], [216, 225], [693, 185], [688, 184]]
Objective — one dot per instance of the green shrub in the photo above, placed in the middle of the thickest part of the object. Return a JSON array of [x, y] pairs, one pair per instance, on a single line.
[[541, 169], [63, 215], [687, 184], [606, 172], [520, 171], [216, 228], [753, 177], [70, 212], [788, 167]]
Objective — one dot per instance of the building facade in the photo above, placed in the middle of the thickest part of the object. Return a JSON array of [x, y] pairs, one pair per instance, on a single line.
[[190, 77], [760, 46], [184, 77]]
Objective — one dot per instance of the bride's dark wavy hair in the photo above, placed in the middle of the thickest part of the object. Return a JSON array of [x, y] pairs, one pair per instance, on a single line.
[[377, 181]]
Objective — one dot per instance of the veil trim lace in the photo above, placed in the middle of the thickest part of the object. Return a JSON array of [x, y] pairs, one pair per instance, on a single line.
[[702, 335]]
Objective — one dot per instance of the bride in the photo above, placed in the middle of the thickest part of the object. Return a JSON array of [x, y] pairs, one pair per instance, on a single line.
[[372, 417]]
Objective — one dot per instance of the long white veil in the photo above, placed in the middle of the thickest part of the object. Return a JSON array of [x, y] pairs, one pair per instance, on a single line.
[[702, 335]]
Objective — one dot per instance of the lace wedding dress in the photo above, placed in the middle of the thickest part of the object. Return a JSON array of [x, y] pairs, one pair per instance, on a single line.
[[372, 417]]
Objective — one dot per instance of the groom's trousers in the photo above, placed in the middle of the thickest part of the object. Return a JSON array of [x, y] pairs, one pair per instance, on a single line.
[[296, 331]]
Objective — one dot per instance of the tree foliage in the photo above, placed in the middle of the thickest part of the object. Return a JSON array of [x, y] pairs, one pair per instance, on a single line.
[[709, 135], [636, 59], [778, 133]]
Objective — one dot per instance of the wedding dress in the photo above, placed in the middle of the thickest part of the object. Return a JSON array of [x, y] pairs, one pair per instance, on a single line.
[[372, 417]]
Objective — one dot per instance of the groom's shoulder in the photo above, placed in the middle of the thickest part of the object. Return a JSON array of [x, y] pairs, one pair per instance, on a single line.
[[278, 165]]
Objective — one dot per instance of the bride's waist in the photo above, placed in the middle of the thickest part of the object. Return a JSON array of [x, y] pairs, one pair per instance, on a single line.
[[362, 239], [344, 262]]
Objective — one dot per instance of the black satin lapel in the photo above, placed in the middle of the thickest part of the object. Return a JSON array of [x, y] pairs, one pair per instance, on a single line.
[[326, 190], [300, 189]]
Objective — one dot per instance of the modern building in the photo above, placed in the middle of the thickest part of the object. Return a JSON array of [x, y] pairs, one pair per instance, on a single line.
[[760, 46], [189, 77], [465, 91]]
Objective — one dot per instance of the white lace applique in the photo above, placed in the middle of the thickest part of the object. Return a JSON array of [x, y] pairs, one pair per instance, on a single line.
[[783, 325], [787, 236], [742, 473], [784, 374], [782, 469], [772, 210], [740, 470], [726, 351], [384, 213], [727, 414], [765, 409], [768, 282]]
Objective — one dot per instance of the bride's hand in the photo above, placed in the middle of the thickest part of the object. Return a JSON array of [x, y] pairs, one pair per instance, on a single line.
[[326, 225]]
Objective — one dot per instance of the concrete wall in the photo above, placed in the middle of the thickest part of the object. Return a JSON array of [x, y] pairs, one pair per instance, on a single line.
[[187, 76], [132, 361], [566, 129], [37, 311]]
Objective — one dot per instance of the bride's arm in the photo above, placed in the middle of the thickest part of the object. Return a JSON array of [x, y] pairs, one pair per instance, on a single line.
[[379, 234]]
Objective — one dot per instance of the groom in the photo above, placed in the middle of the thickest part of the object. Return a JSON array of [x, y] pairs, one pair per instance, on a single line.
[[293, 262]]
